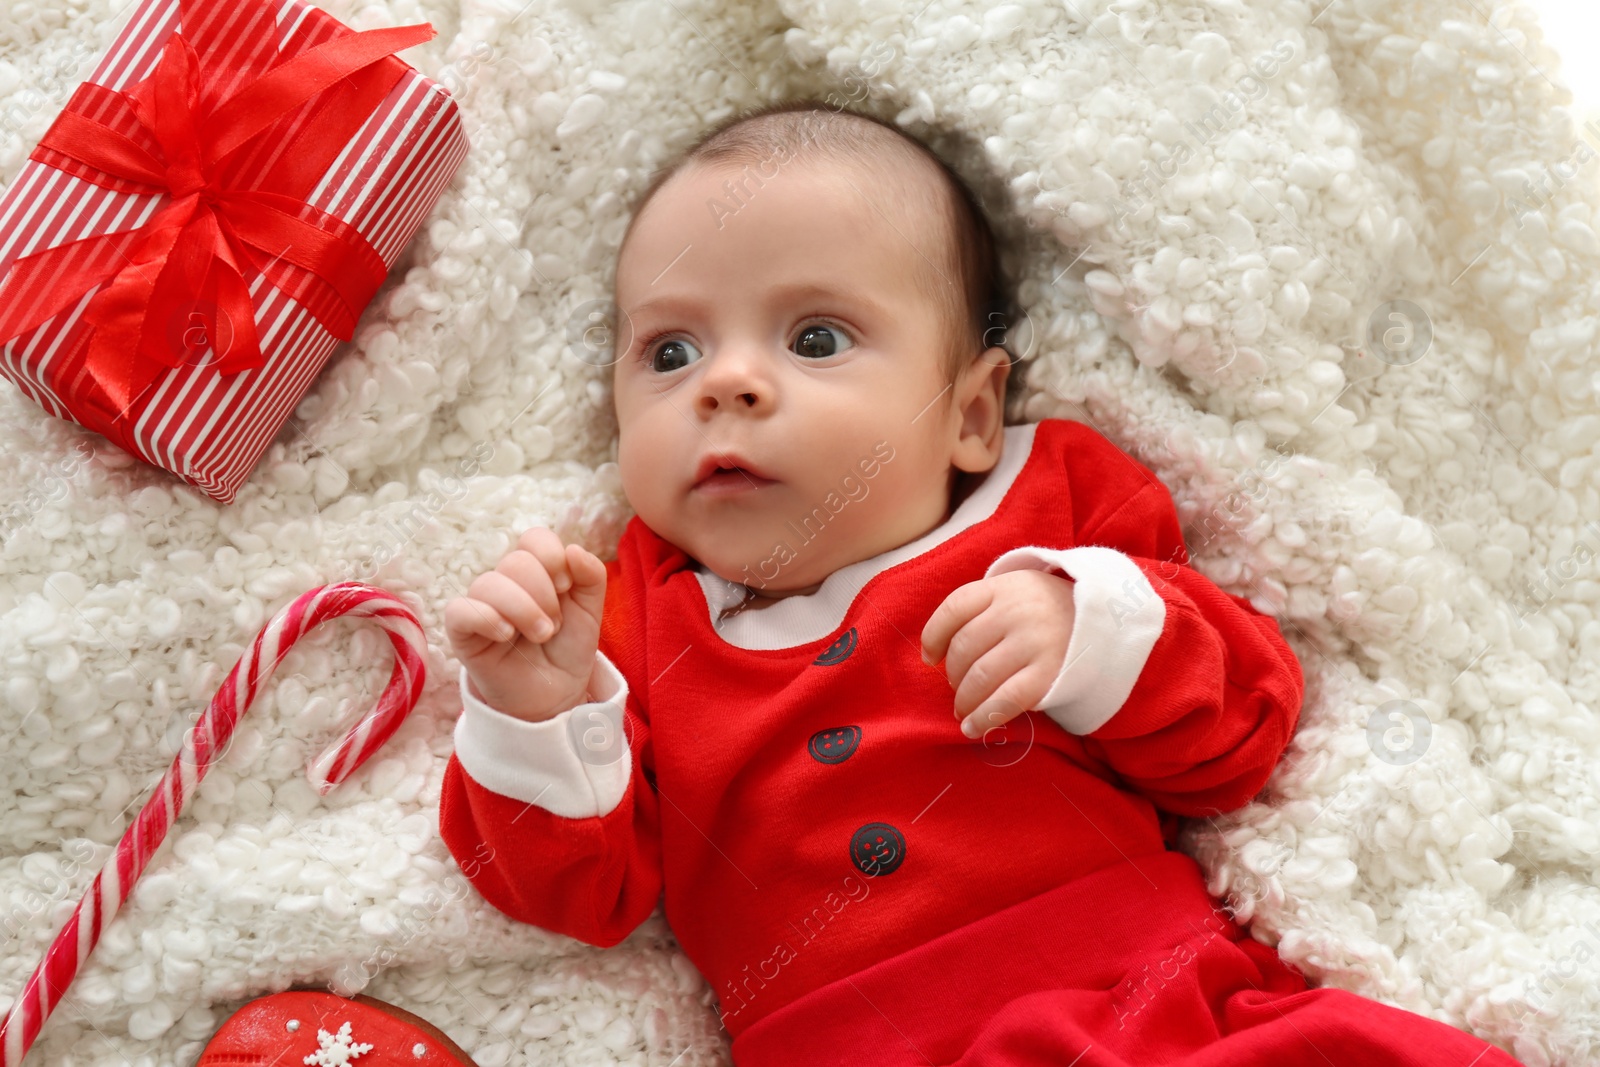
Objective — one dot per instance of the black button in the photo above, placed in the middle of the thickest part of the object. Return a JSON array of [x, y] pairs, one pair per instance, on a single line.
[[835, 745], [877, 848], [839, 651]]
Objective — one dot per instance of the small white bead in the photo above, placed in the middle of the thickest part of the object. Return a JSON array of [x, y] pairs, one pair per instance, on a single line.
[[293, 1024], [419, 1050]]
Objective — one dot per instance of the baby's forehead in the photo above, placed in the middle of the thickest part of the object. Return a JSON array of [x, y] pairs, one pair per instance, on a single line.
[[905, 193], [906, 185], [895, 201], [909, 194]]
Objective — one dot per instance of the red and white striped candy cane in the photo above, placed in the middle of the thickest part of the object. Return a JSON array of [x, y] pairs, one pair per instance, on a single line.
[[201, 746]]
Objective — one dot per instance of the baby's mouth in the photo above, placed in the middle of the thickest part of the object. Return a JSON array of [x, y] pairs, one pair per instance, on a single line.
[[727, 481]]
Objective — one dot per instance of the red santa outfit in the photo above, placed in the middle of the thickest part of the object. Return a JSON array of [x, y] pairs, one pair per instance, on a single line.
[[860, 882]]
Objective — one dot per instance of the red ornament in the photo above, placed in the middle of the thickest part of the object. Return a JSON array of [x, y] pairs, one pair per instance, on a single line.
[[317, 1028]]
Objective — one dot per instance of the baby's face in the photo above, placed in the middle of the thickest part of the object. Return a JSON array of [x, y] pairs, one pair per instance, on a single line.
[[791, 336]]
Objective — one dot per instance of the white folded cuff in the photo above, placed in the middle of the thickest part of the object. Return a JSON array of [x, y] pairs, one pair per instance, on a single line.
[[1118, 617], [575, 764]]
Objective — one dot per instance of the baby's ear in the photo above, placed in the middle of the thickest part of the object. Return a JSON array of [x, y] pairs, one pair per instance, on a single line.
[[981, 393]]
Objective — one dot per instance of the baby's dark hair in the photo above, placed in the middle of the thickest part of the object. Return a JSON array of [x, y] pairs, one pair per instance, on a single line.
[[971, 285]]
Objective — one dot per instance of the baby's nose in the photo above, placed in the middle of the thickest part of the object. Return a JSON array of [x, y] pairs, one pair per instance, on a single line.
[[733, 382]]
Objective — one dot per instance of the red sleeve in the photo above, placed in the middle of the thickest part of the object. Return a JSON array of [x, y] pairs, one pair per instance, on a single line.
[[1217, 699], [594, 878]]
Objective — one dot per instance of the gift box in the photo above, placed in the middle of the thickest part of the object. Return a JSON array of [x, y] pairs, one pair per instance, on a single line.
[[208, 217]]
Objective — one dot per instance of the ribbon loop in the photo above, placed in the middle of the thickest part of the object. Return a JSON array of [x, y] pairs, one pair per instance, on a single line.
[[296, 81]]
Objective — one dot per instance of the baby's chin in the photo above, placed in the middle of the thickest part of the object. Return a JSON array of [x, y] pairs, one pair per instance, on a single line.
[[771, 570]]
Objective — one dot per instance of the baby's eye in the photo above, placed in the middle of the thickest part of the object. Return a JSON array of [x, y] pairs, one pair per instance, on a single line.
[[675, 352], [815, 343]]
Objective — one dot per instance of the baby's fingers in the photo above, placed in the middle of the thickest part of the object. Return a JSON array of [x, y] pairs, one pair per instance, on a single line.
[[471, 625], [988, 673], [530, 573], [588, 590], [543, 544], [514, 603], [994, 693], [963, 604], [991, 715]]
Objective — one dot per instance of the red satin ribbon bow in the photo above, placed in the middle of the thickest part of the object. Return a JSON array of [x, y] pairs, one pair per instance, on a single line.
[[216, 157]]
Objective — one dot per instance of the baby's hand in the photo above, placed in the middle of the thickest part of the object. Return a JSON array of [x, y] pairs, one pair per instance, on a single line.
[[527, 631], [1006, 639]]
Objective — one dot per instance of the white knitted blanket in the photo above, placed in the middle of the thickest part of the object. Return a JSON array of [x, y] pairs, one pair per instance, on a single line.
[[1213, 205]]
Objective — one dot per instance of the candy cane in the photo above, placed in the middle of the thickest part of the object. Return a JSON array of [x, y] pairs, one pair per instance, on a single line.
[[201, 745]]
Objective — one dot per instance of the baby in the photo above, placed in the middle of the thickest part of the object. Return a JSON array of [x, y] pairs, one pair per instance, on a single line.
[[838, 543]]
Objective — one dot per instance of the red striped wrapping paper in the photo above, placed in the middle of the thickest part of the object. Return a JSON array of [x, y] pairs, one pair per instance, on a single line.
[[210, 429]]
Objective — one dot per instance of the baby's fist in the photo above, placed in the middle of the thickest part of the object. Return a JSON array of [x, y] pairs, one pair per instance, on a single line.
[[527, 631], [1004, 640]]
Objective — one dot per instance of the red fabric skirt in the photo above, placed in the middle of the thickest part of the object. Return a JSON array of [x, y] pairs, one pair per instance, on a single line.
[[1133, 965]]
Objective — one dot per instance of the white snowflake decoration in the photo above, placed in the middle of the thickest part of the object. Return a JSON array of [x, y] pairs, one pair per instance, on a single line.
[[335, 1049]]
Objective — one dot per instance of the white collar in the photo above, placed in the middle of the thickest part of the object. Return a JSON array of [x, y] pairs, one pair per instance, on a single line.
[[799, 620]]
